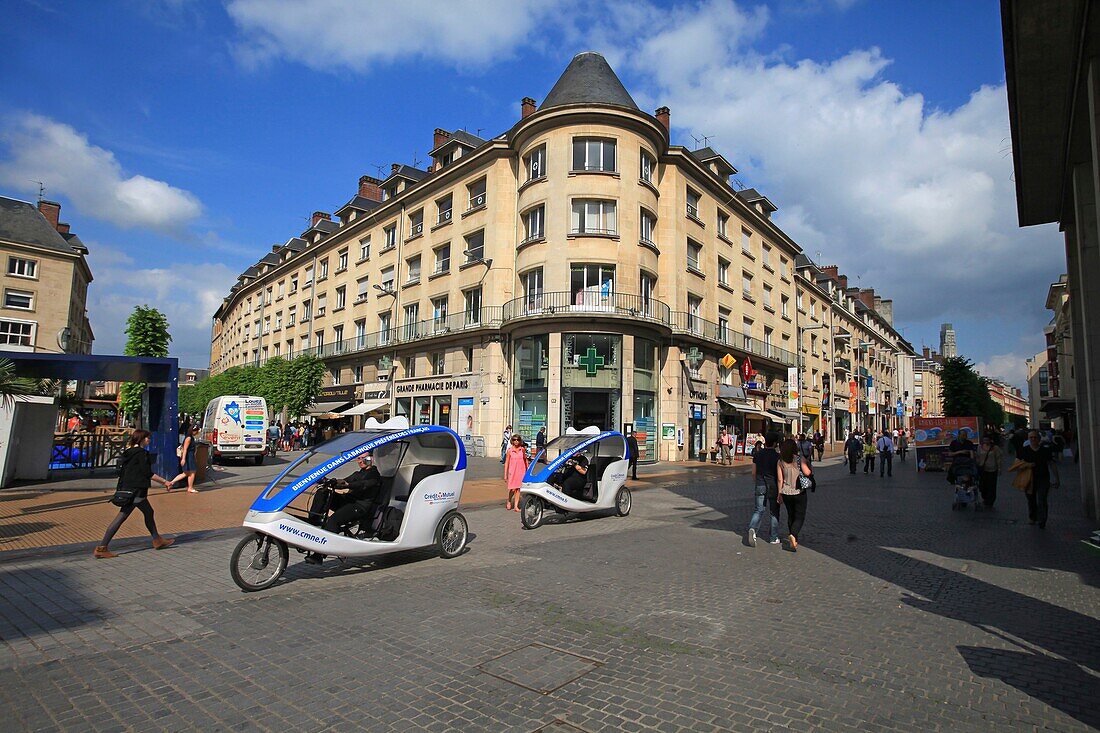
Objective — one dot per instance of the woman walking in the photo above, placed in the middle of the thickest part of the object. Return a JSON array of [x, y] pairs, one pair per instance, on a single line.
[[869, 453], [135, 473], [989, 466], [515, 466], [188, 467], [791, 493]]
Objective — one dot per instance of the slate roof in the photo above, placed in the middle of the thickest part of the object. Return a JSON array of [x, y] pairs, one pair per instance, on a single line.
[[295, 244], [75, 243], [752, 196], [360, 203], [588, 79], [21, 221], [407, 171], [463, 138], [707, 154], [271, 259]]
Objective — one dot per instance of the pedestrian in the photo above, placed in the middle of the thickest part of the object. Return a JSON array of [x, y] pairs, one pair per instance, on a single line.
[[287, 433], [505, 442], [765, 478], [853, 451], [1040, 458], [819, 444], [725, 444], [188, 466], [273, 434], [962, 453], [868, 454], [885, 446], [989, 466], [632, 446], [540, 444], [515, 466], [185, 429], [792, 492], [135, 467], [903, 444], [805, 448]]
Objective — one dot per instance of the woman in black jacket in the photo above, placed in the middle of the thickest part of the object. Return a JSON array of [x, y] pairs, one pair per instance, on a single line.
[[135, 472]]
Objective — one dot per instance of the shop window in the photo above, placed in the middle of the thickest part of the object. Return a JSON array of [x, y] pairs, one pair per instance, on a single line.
[[532, 362], [591, 360]]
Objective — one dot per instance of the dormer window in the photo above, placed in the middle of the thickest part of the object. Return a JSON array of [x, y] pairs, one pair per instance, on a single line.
[[446, 159]]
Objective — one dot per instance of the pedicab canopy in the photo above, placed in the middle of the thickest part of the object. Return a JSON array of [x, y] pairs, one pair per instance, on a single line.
[[573, 442], [389, 443]]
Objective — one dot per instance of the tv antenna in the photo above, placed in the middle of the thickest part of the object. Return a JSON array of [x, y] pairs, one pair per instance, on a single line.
[[41, 190], [701, 141], [416, 160], [479, 131], [380, 168]]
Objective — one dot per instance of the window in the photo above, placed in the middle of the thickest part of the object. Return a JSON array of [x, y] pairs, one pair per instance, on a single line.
[[338, 337], [360, 337], [746, 328], [293, 284], [723, 272], [783, 265], [17, 333], [442, 260], [695, 320], [268, 296], [412, 265], [256, 328], [591, 216], [364, 248], [290, 314], [390, 234], [799, 301], [785, 305], [766, 256], [412, 315], [723, 224], [768, 297], [532, 288], [322, 303], [281, 290], [473, 306], [477, 194], [341, 297], [319, 337], [22, 267], [647, 284], [322, 269], [723, 326], [304, 343], [416, 224], [591, 285], [443, 208], [649, 223], [746, 242], [410, 366], [692, 204], [468, 351], [387, 279], [646, 172], [768, 337], [341, 260], [535, 163], [357, 374], [475, 246], [362, 289], [439, 363], [278, 320], [593, 154], [533, 222], [20, 299], [267, 324], [439, 314], [694, 253], [384, 323], [746, 284]]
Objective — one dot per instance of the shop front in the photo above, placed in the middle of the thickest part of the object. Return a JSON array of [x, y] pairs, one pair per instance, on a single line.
[[743, 415], [435, 400], [374, 403], [647, 373], [842, 418], [328, 408], [591, 381], [811, 415], [697, 431], [530, 385]]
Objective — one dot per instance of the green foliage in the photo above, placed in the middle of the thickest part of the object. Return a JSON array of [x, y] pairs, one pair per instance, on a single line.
[[146, 335], [291, 384], [966, 393], [13, 387]]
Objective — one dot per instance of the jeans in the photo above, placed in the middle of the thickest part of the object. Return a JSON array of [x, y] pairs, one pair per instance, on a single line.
[[758, 514], [1037, 501], [868, 462], [796, 512], [987, 485], [886, 464], [853, 462]]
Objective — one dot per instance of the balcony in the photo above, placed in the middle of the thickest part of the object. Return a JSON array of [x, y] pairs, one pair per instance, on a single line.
[[487, 317], [842, 365], [686, 323], [587, 303]]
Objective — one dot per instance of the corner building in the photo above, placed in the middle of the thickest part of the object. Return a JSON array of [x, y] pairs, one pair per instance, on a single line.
[[576, 270]]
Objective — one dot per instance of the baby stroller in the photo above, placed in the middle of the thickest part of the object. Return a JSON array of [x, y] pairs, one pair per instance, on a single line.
[[966, 490]]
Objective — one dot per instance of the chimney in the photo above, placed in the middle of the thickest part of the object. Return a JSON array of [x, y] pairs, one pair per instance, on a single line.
[[843, 280], [441, 136], [831, 271], [318, 216], [886, 310], [370, 188], [867, 295], [927, 353], [527, 108], [662, 115], [394, 168], [51, 210], [63, 228]]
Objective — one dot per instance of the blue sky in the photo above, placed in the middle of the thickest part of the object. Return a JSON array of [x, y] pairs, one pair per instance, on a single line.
[[183, 138]]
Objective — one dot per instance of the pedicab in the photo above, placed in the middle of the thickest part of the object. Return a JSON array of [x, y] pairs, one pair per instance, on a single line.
[[585, 472], [417, 489]]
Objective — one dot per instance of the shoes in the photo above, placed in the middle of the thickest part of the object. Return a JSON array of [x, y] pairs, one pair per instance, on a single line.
[[752, 537], [794, 543], [774, 541], [102, 553], [159, 543]]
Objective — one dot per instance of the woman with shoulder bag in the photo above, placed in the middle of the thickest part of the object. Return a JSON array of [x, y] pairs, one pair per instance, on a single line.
[[135, 467], [795, 481]]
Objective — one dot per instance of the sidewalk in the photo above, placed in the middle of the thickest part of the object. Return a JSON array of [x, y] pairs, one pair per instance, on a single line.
[[77, 514]]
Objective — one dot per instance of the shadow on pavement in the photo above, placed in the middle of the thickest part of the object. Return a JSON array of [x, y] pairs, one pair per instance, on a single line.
[[64, 607], [15, 530]]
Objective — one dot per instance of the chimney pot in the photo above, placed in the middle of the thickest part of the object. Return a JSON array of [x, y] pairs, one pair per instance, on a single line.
[[843, 280], [318, 216], [662, 115], [370, 188], [63, 228], [51, 210], [527, 107], [441, 136]]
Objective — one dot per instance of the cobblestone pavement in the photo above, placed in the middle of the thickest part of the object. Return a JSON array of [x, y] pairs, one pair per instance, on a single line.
[[896, 613]]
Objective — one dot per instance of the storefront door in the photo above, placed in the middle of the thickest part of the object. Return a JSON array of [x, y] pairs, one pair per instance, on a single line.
[[592, 408]]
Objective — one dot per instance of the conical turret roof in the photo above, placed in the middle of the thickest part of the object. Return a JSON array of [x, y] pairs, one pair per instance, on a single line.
[[588, 79]]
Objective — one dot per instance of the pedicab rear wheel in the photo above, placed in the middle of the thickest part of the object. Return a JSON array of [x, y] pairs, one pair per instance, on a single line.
[[531, 511], [451, 535], [258, 561], [623, 501]]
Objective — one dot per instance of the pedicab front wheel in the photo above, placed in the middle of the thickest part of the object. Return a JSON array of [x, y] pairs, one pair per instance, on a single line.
[[258, 561], [531, 511], [451, 535]]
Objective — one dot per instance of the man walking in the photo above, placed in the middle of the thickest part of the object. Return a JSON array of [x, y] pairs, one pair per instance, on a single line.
[[765, 479], [903, 444], [819, 444], [540, 443], [724, 442], [805, 448], [632, 446], [853, 449], [885, 454]]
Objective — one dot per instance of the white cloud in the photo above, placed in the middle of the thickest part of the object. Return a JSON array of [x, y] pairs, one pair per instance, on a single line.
[[327, 34], [1012, 368], [188, 293], [41, 149]]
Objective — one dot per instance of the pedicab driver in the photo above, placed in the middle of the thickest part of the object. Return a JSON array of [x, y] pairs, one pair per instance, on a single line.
[[354, 498], [574, 480]]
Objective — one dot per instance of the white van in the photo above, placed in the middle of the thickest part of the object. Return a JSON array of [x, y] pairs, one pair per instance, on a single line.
[[235, 426]]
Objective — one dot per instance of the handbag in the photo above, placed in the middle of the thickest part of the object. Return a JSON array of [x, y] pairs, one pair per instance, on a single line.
[[805, 483]]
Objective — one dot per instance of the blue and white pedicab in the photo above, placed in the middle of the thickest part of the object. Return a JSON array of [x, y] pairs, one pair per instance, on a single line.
[[421, 469], [607, 455]]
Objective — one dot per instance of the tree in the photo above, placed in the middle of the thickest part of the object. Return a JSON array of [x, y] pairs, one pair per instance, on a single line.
[[12, 387], [286, 384], [146, 335], [965, 393]]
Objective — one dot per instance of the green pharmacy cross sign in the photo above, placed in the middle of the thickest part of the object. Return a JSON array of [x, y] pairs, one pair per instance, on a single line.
[[591, 361], [694, 357]]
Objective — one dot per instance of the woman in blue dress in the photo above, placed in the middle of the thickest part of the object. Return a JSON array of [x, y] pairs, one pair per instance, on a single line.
[[188, 466]]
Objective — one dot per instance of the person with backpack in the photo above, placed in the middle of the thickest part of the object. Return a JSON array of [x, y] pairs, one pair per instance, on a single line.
[[805, 448], [765, 477], [135, 472], [795, 482], [885, 445]]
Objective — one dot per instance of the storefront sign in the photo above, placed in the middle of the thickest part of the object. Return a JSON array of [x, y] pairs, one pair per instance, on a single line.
[[811, 409], [698, 412], [435, 385], [697, 394], [871, 401], [336, 394], [853, 396], [376, 391], [668, 431], [792, 388]]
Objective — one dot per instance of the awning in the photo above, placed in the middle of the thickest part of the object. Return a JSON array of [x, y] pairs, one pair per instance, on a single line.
[[783, 415], [325, 408], [742, 406], [364, 407]]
